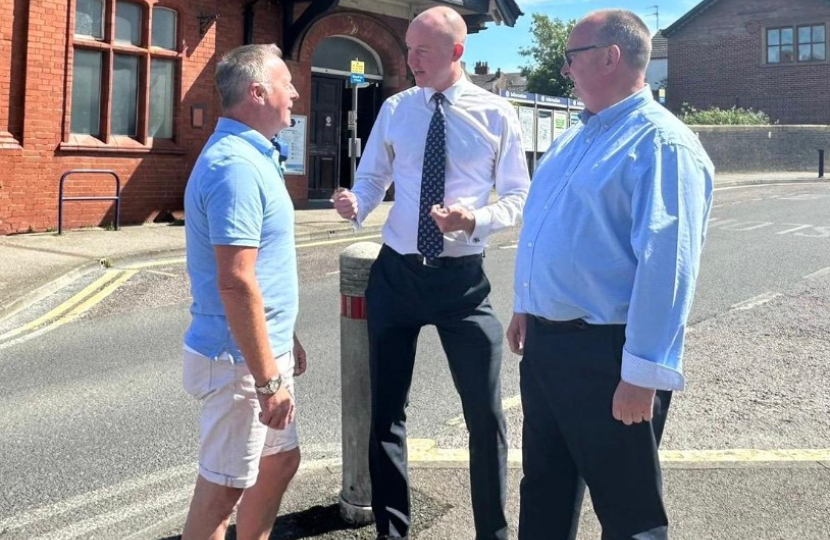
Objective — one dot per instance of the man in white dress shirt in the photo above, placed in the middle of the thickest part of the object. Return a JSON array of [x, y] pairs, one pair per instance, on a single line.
[[444, 144]]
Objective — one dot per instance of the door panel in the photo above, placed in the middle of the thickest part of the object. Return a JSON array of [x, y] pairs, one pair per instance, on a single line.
[[324, 139]]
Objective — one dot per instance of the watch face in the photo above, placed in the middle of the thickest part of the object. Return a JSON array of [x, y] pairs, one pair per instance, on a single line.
[[270, 387]]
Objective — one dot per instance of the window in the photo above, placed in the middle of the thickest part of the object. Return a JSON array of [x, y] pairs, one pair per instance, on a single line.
[[802, 44], [136, 60], [811, 43], [89, 18]]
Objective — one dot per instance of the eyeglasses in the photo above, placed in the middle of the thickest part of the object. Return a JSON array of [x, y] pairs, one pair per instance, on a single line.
[[568, 52]]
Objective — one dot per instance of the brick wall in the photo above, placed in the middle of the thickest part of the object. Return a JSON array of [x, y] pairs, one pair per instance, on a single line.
[[764, 148], [718, 60], [35, 107]]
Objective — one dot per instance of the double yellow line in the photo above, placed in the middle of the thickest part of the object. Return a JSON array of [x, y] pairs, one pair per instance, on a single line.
[[74, 307]]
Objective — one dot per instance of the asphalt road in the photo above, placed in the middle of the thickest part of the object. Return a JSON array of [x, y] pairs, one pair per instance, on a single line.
[[99, 440]]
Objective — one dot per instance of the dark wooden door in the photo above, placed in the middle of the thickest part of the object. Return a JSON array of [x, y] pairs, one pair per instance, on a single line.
[[324, 139]]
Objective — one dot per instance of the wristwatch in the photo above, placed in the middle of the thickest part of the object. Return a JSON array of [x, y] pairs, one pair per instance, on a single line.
[[269, 388]]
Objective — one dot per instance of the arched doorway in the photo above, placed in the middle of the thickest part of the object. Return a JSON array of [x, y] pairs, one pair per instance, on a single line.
[[332, 98]]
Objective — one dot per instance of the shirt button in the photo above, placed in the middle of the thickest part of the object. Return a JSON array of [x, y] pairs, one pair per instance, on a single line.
[[530, 244], [476, 240], [525, 284], [547, 206], [588, 140]]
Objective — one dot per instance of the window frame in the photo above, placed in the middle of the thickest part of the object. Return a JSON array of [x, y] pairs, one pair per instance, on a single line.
[[146, 53], [811, 43], [796, 43]]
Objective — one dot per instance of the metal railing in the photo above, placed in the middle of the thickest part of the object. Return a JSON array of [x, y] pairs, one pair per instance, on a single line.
[[116, 197]]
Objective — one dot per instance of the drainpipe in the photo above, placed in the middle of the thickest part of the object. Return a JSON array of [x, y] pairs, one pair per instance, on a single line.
[[248, 23]]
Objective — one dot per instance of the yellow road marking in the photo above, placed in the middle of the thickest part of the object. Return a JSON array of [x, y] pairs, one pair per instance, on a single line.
[[75, 312], [97, 297], [63, 307], [746, 455], [425, 451]]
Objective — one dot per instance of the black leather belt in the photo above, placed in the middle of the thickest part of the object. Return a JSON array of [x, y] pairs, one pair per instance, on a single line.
[[573, 324], [440, 262]]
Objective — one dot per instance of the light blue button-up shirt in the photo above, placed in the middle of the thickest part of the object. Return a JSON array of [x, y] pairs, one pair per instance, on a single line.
[[613, 229]]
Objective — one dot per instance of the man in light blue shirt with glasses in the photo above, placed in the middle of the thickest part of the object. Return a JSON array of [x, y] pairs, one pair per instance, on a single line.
[[605, 274]]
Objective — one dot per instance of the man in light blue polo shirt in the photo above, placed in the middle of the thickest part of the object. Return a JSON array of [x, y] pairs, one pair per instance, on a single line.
[[240, 352]]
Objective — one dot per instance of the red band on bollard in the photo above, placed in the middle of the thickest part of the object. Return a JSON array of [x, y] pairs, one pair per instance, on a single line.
[[353, 307]]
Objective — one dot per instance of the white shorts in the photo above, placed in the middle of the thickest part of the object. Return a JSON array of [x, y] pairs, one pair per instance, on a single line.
[[232, 439]]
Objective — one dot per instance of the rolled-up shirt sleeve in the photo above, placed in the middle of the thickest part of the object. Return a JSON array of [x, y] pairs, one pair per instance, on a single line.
[[670, 207]]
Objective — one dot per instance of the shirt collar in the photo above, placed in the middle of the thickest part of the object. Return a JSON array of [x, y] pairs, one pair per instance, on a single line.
[[610, 115], [451, 94], [253, 137]]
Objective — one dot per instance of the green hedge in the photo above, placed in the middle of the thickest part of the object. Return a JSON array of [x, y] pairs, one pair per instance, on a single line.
[[722, 117]]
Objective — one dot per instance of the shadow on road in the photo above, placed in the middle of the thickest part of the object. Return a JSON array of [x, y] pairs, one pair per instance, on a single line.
[[315, 522]]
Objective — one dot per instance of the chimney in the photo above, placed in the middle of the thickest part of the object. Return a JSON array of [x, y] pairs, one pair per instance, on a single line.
[[498, 73], [481, 68]]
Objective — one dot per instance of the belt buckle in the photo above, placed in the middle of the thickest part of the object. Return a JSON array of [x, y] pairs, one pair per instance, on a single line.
[[429, 263]]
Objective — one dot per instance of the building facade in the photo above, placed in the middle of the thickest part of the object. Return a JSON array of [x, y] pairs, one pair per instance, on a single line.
[[127, 86], [768, 55]]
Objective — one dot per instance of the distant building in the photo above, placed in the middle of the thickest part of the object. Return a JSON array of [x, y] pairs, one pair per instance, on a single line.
[[658, 65], [768, 55], [493, 82]]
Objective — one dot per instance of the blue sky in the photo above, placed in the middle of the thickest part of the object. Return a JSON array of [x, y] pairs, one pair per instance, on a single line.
[[499, 45]]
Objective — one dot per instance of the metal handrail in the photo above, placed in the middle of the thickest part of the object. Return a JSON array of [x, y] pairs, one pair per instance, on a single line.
[[116, 197]]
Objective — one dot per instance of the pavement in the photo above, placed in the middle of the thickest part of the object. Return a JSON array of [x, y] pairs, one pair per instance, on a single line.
[[33, 266]]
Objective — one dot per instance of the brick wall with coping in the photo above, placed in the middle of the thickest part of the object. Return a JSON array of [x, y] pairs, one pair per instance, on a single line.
[[738, 149]]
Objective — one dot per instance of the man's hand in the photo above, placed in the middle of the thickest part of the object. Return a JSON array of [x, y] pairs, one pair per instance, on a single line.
[[277, 409], [345, 202], [453, 218], [516, 332], [300, 358], [632, 404]]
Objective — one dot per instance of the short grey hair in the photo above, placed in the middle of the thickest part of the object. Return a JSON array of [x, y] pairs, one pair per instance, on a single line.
[[628, 31], [241, 67]]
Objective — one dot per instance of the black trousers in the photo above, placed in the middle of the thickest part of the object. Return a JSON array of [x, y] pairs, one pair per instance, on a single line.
[[402, 296], [568, 377]]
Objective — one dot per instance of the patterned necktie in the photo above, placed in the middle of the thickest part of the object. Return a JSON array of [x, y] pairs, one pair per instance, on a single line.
[[430, 238]]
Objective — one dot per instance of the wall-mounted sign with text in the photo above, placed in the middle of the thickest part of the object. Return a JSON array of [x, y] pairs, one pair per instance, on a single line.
[[294, 137]]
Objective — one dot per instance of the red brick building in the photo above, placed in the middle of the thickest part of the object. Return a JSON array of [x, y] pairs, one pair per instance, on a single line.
[[768, 55], [127, 85]]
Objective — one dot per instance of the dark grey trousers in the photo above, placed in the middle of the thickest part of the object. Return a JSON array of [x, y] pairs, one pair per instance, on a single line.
[[402, 297], [569, 438]]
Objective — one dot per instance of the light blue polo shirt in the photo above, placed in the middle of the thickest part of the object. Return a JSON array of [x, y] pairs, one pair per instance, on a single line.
[[236, 196]]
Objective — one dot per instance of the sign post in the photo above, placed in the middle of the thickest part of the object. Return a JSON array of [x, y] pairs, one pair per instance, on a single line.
[[356, 79]]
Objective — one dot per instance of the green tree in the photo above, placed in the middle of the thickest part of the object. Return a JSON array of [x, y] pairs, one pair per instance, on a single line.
[[547, 53]]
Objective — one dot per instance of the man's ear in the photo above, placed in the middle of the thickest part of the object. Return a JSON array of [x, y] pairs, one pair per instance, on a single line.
[[613, 56], [457, 52], [256, 91]]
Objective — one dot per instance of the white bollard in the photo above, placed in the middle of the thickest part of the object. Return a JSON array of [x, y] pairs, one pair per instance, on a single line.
[[356, 491]]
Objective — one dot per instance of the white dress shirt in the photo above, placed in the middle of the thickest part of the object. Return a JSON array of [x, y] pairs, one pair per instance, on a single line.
[[484, 149]]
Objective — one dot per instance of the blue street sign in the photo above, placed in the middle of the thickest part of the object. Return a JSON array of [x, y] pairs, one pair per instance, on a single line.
[[357, 78]]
